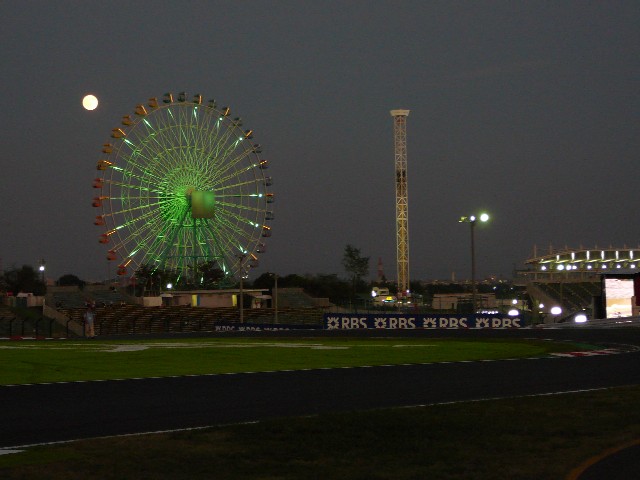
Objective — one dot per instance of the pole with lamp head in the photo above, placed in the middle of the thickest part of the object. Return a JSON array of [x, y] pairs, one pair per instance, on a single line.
[[275, 296], [241, 258], [42, 269], [471, 220]]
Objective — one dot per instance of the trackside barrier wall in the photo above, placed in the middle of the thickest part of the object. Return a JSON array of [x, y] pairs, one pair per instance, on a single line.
[[252, 327], [352, 321]]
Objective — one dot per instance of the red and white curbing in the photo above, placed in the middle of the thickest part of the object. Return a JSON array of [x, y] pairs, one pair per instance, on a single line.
[[589, 353]]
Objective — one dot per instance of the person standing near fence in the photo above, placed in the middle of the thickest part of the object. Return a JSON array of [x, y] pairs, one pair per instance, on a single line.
[[89, 319]]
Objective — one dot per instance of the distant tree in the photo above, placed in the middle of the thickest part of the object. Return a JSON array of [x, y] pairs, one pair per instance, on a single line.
[[25, 279], [324, 285], [209, 274], [147, 278], [69, 279], [292, 280], [355, 265], [417, 287], [266, 280], [329, 286]]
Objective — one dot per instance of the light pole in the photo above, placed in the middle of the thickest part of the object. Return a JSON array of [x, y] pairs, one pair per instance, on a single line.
[[471, 220], [241, 296], [42, 268], [241, 258], [275, 297]]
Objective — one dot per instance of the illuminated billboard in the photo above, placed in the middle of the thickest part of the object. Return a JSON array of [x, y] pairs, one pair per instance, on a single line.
[[619, 295]]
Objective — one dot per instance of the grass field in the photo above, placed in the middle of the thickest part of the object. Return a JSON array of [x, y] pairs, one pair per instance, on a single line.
[[518, 439], [53, 361]]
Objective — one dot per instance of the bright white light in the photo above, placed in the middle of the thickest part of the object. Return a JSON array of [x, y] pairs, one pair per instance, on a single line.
[[169, 286], [41, 268], [90, 102], [543, 267], [560, 267], [580, 318], [541, 305], [556, 311], [484, 217], [513, 312], [373, 293]]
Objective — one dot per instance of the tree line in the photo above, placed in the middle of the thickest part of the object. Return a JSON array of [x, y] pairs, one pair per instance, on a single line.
[[150, 280]]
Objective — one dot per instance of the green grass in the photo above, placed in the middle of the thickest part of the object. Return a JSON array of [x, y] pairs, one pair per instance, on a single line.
[[480, 440], [531, 438], [53, 361]]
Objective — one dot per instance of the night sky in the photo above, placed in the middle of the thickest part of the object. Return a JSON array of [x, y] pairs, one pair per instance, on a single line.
[[528, 110]]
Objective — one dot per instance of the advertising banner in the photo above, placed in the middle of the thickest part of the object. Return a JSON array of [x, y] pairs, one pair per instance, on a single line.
[[352, 321], [258, 327]]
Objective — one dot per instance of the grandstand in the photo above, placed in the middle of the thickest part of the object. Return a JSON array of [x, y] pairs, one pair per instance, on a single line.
[[117, 313], [75, 297], [298, 298], [571, 278], [584, 264], [137, 319]]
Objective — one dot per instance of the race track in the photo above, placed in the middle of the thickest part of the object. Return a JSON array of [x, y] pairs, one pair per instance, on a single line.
[[32, 414]]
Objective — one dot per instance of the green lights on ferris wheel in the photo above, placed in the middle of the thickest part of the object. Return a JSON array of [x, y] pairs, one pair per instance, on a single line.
[[174, 149]]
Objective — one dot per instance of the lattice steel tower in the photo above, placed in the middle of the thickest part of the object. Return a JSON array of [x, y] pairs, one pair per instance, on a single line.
[[402, 199]]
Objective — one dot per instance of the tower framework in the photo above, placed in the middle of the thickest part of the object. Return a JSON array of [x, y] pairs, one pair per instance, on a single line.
[[402, 199]]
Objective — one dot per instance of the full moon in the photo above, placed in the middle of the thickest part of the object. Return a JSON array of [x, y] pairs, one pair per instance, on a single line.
[[90, 102]]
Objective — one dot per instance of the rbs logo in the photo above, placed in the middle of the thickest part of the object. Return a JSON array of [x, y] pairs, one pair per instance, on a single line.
[[395, 322], [382, 321], [346, 323]]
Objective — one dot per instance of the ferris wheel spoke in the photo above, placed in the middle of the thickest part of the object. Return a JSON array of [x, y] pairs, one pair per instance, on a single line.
[[143, 221], [240, 207], [221, 175], [226, 155], [132, 209], [240, 178], [137, 163], [156, 163], [209, 132], [164, 244], [128, 186], [222, 146], [233, 222], [225, 245], [145, 233]]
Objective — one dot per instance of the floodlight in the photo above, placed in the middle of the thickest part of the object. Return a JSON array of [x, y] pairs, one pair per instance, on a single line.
[[580, 318]]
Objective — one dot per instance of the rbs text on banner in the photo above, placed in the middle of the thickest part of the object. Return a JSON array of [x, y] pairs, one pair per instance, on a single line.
[[352, 321]]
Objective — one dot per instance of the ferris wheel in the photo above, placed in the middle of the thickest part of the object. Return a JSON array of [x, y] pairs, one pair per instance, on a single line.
[[181, 185]]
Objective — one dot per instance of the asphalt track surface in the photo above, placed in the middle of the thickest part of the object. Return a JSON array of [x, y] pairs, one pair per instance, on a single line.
[[42, 413]]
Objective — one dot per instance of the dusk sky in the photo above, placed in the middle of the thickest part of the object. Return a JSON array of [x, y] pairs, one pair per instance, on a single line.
[[528, 110]]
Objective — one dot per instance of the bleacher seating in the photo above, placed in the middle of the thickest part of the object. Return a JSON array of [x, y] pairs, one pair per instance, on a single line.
[[135, 319], [116, 315], [571, 296], [7, 320], [296, 298], [68, 299]]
